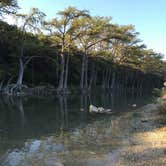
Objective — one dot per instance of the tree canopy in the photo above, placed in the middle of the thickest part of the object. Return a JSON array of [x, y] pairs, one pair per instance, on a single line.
[[8, 7], [81, 50]]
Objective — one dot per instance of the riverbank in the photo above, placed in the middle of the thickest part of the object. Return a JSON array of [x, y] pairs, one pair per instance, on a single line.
[[55, 132], [144, 143]]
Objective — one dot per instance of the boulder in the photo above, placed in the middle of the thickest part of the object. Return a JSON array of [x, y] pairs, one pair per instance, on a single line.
[[94, 109]]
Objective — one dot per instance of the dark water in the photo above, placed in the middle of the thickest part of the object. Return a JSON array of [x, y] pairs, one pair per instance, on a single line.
[[60, 131]]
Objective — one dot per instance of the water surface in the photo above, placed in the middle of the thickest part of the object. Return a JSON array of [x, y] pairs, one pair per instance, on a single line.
[[60, 131]]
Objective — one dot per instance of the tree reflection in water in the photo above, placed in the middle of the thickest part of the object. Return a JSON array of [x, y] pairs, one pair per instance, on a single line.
[[40, 131]]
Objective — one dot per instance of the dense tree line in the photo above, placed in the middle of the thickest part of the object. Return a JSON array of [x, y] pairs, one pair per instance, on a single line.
[[73, 49]]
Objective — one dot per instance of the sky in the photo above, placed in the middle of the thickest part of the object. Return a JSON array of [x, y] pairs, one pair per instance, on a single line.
[[147, 15]]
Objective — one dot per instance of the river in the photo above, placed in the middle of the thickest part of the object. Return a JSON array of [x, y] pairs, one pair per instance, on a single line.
[[56, 131]]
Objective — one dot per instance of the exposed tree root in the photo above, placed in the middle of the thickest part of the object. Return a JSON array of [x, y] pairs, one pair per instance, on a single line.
[[14, 89]]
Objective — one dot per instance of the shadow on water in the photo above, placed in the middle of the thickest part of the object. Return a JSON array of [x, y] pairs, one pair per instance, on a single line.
[[59, 126]]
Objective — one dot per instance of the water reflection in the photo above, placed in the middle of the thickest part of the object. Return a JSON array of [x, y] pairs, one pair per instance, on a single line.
[[40, 131], [64, 111]]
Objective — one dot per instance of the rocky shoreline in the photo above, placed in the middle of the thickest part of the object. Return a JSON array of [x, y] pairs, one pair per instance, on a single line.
[[144, 143]]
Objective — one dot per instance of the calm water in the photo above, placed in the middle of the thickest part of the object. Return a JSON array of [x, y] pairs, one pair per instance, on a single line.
[[60, 131]]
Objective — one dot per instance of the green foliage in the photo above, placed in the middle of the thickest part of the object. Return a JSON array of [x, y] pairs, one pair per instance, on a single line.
[[109, 47], [8, 7]]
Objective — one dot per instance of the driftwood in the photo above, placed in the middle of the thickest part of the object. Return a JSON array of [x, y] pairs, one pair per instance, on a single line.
[[94, 109]]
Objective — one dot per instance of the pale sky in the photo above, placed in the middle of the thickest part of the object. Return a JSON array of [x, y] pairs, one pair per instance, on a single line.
[[148, 16]]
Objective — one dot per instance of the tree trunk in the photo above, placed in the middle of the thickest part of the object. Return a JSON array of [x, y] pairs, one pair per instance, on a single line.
[[66, 71], [95, 77], [113, 81], [21, 68], [109, 78], [92, 76], [61, 81], [103, 79], [1, 85], [86, 72], [83, 71]]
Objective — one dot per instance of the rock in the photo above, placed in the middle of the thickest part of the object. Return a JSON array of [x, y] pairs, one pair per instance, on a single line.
[[164, 84], [134, 105], [94, 109], [100, 109], [93, 153], [144, 120], [81, 109]]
